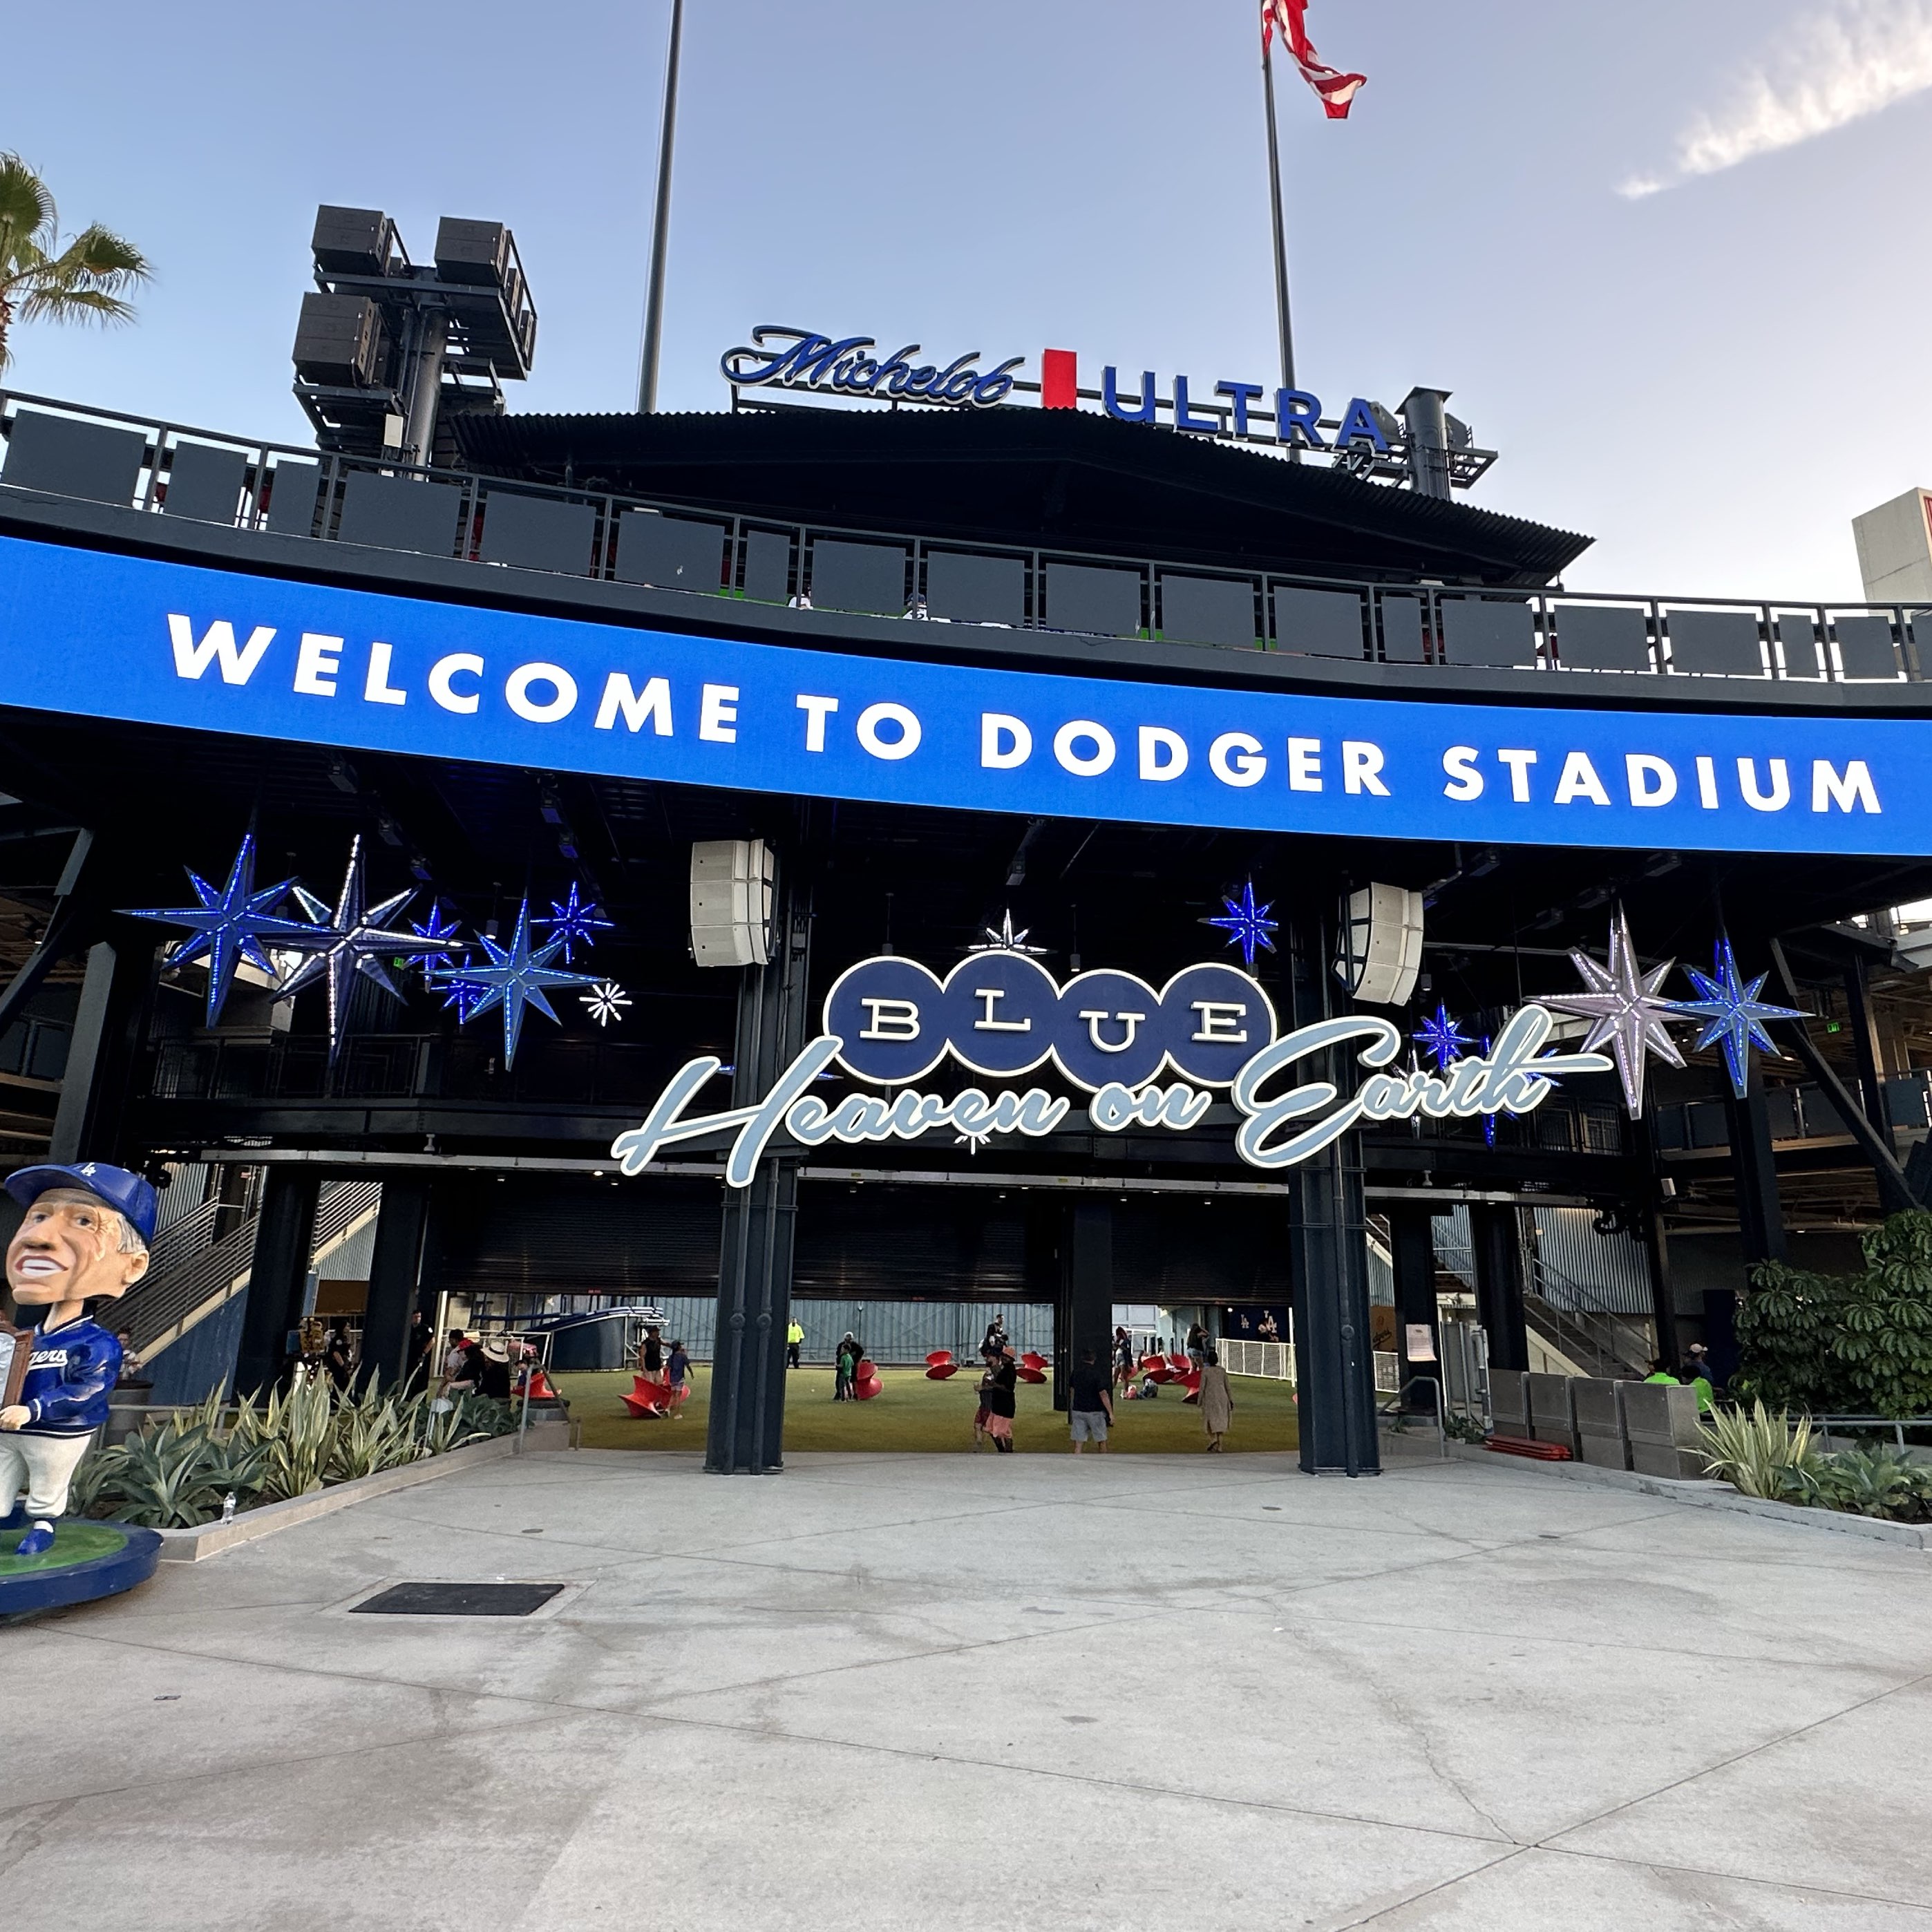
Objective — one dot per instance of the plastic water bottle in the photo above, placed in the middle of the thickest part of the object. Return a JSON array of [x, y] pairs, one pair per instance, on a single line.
[[228, 1507]]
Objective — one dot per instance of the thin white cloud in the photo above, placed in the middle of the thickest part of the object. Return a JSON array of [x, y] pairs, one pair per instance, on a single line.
[[1853, 58]]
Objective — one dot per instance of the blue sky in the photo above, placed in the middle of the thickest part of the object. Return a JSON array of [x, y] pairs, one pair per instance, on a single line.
[[1666, 256]]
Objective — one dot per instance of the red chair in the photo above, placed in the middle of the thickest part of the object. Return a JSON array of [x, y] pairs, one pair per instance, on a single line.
[[1180, 1365], [540, 1389], [1031, 1368], [940, 1364], [648, 1400], [865, 1382]]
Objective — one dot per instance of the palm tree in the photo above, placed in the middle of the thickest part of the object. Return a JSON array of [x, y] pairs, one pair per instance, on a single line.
[[87, 281]]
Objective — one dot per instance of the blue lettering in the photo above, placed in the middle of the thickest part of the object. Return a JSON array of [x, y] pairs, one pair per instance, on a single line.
[[1184, 417], [1110, 397], [1359, 424], [1297, 418], [1244, 394]]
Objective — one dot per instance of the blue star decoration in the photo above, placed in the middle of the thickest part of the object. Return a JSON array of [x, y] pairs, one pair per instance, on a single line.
[[1732, 1013], [1442, 1038], [348, 938], [1489, 1119], [575, 923], [439, 939], [228, 927], [1247, 925], [516, 978], [463, 994]]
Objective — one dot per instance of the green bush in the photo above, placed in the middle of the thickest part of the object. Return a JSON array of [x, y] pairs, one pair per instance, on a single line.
[[1760, 1454], [1844, 1345]]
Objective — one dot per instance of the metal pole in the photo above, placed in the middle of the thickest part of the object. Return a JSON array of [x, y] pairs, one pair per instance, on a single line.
[[1284, 320], [647, 373]]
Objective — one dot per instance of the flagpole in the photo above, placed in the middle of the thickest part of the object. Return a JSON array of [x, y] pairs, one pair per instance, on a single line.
[[647, 373], [1284, 319]]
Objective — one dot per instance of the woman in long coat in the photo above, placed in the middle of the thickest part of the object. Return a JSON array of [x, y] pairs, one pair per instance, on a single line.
[[1217, 1399]]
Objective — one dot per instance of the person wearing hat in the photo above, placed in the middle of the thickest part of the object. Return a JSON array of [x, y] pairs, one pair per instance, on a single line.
[[84, 1238], [492, 1367]]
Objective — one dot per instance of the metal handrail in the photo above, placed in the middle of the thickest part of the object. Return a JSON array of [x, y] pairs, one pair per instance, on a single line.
[[1393, 1409], [1389, 616]]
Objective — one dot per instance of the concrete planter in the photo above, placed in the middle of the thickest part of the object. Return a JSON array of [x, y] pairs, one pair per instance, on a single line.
[[1509, 1401], [1665, 1437], [1552, 1414], [1601, 1437], [210, 1539]]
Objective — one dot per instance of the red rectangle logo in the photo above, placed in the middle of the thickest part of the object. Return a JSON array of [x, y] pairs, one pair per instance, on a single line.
[[1059, 379]]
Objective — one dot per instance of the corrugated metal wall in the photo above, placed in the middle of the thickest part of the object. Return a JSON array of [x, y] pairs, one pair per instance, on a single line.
[[1583, 1269]]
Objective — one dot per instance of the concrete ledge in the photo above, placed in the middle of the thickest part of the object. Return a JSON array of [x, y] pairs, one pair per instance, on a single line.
[[1708, 1494], [191, 1545]]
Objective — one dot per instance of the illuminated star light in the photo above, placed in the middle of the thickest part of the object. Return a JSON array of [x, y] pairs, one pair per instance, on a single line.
[[1247, 925], [1005, 940], [440, 940], [228, 927], [516, 978], [463, 994], [575, 923], [348, 940], [1440, 1036], [1489, 1116], [605, 1002], [1732, 1013], [1623, 1008]]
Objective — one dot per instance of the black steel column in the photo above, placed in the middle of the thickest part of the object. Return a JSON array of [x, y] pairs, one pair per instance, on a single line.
[[1412, 1241], [1760, 1212], [748, 1373], [107, 1028], [284, 1241], [1085, 1316], [1494, 1236], [1328, 1245], [395, 1269], [1655, 1237], [1864, 1043]]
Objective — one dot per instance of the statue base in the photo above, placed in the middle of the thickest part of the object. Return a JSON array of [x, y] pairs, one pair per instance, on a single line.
[[88, 1560]]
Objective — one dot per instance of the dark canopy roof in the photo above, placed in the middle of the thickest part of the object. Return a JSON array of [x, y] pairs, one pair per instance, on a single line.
[[1029, 477]]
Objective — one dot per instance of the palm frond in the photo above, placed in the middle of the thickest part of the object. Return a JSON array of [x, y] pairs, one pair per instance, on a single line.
[[59, 304], [26, 207]]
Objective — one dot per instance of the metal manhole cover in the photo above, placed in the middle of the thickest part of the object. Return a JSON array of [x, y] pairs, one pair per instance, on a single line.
[[458, 1599]]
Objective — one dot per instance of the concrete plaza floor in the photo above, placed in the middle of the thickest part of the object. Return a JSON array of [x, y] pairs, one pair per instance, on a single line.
[[1027, 1691]]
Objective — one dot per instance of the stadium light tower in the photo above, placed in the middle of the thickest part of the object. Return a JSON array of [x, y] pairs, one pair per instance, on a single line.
[[386, 346], [647, 369]]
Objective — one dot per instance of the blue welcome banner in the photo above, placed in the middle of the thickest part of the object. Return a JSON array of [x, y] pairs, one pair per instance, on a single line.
[[94, 635]]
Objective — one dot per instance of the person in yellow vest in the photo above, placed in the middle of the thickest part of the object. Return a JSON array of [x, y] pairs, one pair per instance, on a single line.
[[794, 1342]]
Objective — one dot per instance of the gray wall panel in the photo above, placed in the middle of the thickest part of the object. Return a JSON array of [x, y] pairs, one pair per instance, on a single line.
[[94, 460], [1319, 623], [858, 576], [1208, 610], [1402, 630], [1864, 646], [538, 533], [1601, 636], [400, 513], [293, 490], [673, 553], [206, 484], [1106, 603], [1715, 643], [767, 566], [975, 589], [1480, 631]]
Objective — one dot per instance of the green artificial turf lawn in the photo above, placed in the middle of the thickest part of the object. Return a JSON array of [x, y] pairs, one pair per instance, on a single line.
[[911, 1414], [73, 1543]]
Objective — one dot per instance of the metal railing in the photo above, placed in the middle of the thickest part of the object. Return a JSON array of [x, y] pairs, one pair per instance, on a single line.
[[1271, 1361], [1796, 1113], [294, 491], [192, 1284]]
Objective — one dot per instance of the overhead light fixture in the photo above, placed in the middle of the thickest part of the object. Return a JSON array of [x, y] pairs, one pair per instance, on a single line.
[[342, 775]]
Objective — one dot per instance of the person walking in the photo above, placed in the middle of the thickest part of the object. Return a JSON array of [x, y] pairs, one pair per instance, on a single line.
[[1123, 1358], [650, 1354], [998, 1398], [1217, 1399], [844, 1367], [336, 1363], [677, 1371], [1090, 1403], [1197, 1346], [794, 1343]]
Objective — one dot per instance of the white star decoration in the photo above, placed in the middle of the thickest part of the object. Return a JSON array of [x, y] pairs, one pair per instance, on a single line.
[[1625, 1011], [1005, 940], [605, 1002]]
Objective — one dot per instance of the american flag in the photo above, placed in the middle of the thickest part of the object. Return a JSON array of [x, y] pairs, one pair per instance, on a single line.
[[1337, 90]]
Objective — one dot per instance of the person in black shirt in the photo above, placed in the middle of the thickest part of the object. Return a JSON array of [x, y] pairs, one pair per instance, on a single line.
[[650, 1356], [1090, 1406], [997, 1396]]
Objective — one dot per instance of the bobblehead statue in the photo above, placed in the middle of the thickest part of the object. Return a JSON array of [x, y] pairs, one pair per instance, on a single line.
[[84, 1238]]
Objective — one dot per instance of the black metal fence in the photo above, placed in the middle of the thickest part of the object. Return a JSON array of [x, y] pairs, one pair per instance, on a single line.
[[167, 469]]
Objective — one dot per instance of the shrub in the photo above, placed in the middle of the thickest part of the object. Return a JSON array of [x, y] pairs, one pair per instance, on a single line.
[[1760, 1453], [1844, 1345]]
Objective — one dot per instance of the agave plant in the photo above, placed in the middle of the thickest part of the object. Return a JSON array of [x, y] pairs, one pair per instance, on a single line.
[[1878, 1482], [297, 1430], [1762, 1452], [177, 1475], [372, 1432]]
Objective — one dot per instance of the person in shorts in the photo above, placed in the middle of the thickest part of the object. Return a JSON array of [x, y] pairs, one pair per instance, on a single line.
[[1089, 1405]]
